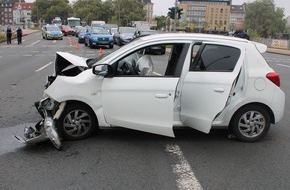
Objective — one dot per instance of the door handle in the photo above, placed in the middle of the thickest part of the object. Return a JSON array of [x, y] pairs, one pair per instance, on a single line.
[[161, 95], [219, 89]]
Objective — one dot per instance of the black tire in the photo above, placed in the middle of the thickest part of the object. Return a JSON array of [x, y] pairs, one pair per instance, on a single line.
[[90, 45], [111, 46], [86, 44], [251, 123], [77, 122]]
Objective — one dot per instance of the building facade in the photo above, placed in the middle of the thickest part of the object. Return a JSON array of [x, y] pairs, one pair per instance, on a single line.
[[22, 14], [206, 15], [148, 8], [237, 18], [6, 11]]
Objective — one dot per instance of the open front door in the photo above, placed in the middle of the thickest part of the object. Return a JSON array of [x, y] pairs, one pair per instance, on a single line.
[[207, 86], [140, 103]]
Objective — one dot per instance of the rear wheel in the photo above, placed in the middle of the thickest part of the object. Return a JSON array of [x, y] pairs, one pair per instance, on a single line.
[[77, 121], [250, 123]]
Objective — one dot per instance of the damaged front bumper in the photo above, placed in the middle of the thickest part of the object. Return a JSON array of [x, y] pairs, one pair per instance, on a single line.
[[44, 129]]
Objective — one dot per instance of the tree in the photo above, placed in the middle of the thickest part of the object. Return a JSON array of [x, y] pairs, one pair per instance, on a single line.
[[264, 18], [161, 22], [48, 9], [129, 10]]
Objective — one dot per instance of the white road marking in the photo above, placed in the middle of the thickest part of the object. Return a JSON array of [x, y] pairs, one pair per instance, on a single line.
[[283, 65], [41, 68], [186, 179], [35, 42]]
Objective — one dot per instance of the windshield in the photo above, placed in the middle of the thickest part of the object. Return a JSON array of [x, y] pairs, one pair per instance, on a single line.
[[53, 28], [118, 51], [99, 30], [74, 22], [127, 30], [66, 27]]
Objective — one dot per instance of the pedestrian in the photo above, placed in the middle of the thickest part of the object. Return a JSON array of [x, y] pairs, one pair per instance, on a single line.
[[19, 35], [8, 34]]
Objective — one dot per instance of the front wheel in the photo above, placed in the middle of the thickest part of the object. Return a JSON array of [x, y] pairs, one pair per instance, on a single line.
[[77, 121], [251, 123]]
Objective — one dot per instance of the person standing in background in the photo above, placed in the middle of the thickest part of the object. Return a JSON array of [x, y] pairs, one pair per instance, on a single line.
[[19, 35], [8, 34]]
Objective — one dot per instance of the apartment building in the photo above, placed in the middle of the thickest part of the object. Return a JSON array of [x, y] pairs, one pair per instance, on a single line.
[[207, 15], [22, 14], [237, 18], [6, 11], [148, 8]]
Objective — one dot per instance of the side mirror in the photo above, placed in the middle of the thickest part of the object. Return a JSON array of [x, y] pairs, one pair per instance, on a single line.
[[104, 70]]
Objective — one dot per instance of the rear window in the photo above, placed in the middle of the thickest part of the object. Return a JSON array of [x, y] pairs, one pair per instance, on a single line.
[[217, 58]]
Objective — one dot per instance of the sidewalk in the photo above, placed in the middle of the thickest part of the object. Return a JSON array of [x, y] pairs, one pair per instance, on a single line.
[[28, 31], [278, 51]]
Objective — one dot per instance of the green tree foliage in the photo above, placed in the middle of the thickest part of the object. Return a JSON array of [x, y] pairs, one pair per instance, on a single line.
[[110, 11], [89, 10], [128, 10], [161, 22], [263, 18], [48, 9]]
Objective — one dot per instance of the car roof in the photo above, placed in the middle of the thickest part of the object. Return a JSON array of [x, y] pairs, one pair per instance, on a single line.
[[204, 37]]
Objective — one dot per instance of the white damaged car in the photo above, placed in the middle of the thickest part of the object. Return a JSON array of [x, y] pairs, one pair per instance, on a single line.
[[200, 82]]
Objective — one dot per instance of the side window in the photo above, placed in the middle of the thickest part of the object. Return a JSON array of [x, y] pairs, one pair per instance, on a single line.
[[217, 58], [162, 60]]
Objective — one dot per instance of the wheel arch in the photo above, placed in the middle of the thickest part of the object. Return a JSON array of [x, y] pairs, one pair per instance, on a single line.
[[269, 110], [69, 102]]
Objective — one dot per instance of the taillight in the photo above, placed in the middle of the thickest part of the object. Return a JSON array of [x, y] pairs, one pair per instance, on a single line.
[[274, 77]]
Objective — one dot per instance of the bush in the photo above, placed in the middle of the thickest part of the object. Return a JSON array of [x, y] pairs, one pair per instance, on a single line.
[[2, 36]]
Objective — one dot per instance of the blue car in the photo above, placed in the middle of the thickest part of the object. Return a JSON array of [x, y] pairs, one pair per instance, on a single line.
[[98, 36]]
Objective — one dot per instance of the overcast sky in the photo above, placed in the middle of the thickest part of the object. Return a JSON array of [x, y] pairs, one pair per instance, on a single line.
[[161, 6]]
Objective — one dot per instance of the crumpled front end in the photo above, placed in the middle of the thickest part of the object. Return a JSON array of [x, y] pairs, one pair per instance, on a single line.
[[45, 129]]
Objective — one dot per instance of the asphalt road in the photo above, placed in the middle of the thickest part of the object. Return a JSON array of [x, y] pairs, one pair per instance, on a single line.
[[125, 159]]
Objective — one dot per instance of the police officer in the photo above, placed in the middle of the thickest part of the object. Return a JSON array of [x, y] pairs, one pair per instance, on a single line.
[[19, 35], [8, 34]]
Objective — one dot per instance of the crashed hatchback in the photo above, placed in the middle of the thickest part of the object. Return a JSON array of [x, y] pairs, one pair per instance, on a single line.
[[201, 81]]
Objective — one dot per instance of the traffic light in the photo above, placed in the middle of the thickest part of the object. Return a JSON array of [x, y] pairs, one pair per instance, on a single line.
[[171, 12], [179, 12]]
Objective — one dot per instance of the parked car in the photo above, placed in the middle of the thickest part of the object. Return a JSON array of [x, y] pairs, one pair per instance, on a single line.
[[66, 30], [98, 36], [51, 32], [113, 32], [124, 35], [81, 35], [76, 30], [204, 81]]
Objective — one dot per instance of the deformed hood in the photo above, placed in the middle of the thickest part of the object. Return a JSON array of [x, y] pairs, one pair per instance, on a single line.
[[65, 61], [73, 59]]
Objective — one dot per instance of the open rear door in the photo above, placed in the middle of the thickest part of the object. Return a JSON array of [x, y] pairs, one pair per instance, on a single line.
[[207, 85]]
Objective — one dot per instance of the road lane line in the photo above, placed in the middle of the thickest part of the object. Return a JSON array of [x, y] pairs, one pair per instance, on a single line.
[[41, 68], [35, 42], [182, 170], [283, 65]]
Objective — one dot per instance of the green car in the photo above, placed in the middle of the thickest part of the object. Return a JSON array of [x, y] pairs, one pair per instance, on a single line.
[[51, 32]]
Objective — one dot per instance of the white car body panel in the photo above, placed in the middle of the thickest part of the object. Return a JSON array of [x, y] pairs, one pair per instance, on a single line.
[[141, 103], [204, 95]]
